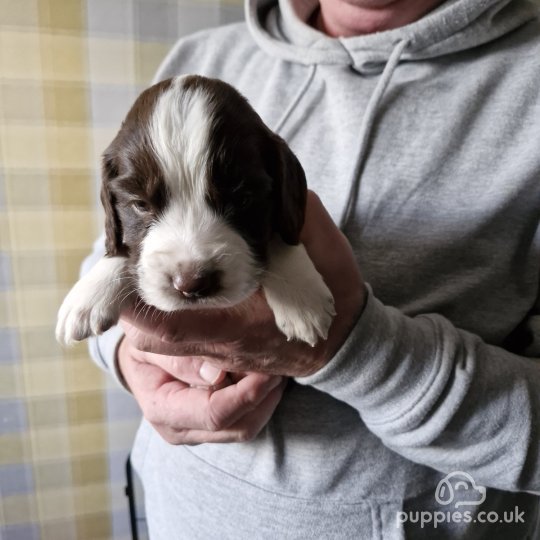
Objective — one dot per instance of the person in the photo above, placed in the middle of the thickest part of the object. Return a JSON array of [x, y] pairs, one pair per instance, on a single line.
[[417, 123]]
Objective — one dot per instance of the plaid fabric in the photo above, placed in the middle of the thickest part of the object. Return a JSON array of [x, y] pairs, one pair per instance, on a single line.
[[69, 70]]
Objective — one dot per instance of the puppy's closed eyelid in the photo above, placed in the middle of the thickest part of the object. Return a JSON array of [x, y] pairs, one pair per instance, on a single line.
[[130, 197], [140, 206]]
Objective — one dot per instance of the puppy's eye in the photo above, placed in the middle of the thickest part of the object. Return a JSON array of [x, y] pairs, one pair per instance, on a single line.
[[141, 207]]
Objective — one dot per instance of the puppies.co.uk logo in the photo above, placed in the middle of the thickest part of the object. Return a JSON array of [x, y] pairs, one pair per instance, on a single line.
[[456, 490], [452, 485]]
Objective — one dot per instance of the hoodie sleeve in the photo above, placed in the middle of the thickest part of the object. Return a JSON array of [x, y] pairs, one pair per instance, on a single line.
[[440, 396]]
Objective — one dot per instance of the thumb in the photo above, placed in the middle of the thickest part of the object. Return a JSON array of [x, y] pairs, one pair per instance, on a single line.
[[210, 374], [192, 370]]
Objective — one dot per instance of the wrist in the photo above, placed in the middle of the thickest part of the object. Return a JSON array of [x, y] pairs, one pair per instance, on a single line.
[[346, 360], [349, 309]]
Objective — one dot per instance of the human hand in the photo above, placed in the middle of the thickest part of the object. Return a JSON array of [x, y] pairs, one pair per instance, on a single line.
[[188, 401], [214, 375], [245, 338]]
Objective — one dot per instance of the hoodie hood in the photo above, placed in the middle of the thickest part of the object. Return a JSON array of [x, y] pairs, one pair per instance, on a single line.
[[280, 28]]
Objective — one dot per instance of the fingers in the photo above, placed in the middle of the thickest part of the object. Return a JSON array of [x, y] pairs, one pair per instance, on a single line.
[[151, 340], [230, 345], [192, 370], [341, 273], [195, 326], [178, 407], [321, 236], [245, 429], [184, 415], [229, 405], [317, 219], [185, 360]]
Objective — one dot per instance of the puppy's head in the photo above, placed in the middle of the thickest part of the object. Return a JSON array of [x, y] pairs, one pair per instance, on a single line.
[[194, 187]]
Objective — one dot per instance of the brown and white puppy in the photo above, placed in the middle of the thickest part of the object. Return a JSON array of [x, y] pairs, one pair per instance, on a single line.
[[203, 205]]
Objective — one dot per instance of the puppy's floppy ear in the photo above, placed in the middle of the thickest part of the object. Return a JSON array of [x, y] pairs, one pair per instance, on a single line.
[[290, 192], [113, 228]]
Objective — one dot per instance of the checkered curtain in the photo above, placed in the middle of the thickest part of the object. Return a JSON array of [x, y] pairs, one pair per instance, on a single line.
[[69, 70]]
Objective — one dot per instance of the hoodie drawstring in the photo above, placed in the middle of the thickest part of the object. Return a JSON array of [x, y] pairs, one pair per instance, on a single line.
[[367, 126], [296, 99]]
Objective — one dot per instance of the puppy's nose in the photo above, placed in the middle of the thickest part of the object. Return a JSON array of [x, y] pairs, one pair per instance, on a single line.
[[196, 283]]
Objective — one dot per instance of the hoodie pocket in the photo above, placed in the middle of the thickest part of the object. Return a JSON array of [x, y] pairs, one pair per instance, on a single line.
[[188, 498]]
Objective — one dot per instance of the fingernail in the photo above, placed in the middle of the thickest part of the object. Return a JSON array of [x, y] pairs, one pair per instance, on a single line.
[[210, 373]]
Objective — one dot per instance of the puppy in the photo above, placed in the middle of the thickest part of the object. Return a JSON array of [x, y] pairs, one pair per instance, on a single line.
[[203, 206]]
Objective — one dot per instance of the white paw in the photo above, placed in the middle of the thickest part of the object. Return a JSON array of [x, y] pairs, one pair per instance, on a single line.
[[307, 317], [93, 304], [303, 305], [82, 315]]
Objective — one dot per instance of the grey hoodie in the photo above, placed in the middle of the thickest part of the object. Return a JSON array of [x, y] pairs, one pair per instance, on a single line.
[[424, 144]]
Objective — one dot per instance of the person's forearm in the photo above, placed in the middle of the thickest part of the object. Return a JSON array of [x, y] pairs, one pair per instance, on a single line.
[[440, 396]]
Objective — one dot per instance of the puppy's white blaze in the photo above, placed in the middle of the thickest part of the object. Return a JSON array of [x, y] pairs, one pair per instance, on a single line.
[[189, 232], [194, 235], [180, 133]]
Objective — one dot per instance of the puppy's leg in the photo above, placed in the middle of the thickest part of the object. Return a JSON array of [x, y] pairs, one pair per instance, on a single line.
[[303, 305], [93, 304]]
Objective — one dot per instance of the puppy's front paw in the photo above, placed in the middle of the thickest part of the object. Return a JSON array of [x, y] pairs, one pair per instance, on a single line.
[[306, 316], [93, 304], [83, 314], [303, 305]]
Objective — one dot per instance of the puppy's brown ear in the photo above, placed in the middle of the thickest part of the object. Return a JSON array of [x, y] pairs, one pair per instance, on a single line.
[[113, 228], [290, 193]]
